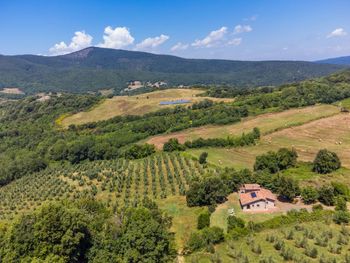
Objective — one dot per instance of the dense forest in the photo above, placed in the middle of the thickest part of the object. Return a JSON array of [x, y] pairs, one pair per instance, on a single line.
[[94, 68]]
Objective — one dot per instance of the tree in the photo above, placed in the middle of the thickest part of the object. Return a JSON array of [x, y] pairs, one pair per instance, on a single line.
[[234, 222], [326, 162], [286, 158], [276, 161], [326, 195], [341, 217], [288, 187], [137, 151], [203, 220], [173, 145], [54, 232], [267, 162], [145, 237], [203, 158], [208, 191], [340, 204], [309, 195]]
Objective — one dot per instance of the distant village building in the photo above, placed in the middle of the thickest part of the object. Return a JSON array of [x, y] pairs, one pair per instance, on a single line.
[[253, 197]]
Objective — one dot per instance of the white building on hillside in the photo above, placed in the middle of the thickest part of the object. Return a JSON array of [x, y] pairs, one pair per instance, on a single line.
[[252, 197]]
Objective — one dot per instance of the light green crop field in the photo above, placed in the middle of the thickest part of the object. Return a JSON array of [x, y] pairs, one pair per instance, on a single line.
[[134, 105], [332, 133], [266, 123]]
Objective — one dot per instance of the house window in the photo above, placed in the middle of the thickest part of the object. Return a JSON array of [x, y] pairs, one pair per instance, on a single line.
[[258, 205], [248, 206]]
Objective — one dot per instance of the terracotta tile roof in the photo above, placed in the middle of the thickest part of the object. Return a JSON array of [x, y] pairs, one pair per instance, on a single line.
[[250, 186], [262, 194]]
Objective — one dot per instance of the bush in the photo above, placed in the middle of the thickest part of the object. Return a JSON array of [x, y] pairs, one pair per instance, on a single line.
[[213, 235], [139, 151], [309, 195], [234, 222], [195, 242], [276, 161], [173, 145], [208, 191], [326, 195], [340, 204], [326, 162], [203, 220], [341, 217], [203, 158]]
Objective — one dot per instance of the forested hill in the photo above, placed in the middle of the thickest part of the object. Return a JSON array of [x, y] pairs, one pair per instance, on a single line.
[[336, 61], [94, 68]]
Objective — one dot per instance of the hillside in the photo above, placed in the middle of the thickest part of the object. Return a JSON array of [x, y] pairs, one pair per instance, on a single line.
[[336, 61], [94, 69]]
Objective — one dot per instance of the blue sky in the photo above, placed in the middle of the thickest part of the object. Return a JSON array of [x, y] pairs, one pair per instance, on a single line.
[[227, 29]]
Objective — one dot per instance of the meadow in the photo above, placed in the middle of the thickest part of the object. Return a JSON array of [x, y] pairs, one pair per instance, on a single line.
[[135, 105], [267, 123], [332, 133]]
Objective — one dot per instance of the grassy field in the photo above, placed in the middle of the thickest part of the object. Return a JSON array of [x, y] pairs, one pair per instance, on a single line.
[[330, 241], [266, 122], [134, 105], [184, 217], [332, 133]]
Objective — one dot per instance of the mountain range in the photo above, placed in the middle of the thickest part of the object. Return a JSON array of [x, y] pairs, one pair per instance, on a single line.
[[93, 69]]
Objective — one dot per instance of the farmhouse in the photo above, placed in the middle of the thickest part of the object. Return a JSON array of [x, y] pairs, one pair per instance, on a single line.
[[253, 197]]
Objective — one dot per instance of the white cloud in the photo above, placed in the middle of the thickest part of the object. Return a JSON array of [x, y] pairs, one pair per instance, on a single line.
[[242, 29], [179, 46], [79, 41], [252, 18], [116, 38], [212, 39], [339, 32], [152, 42], [235, 42]]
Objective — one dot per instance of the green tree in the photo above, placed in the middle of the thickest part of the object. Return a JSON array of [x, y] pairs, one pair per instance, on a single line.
[[203, 220], [326, 162], [55, 232], [145, 237], [340, 204], [210, 190], [309, 195], [234, 222], [288, 187], [326, 195], [173, 145], [203, 158]]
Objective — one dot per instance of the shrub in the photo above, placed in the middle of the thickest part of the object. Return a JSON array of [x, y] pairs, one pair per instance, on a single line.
[[173, 145], [203, 158], [326, 195], [139, 151], [213, 235], [203, 220], [311, 252], [195, 242], [208, 191], [276, 161], [326, 162], [309, 195], [341, 217], [234, 222], [340, 204]]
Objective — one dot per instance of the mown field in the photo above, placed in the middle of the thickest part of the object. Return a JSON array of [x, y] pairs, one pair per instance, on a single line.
[[134, 105], [307, 242], [266, 123], [332, 133]]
